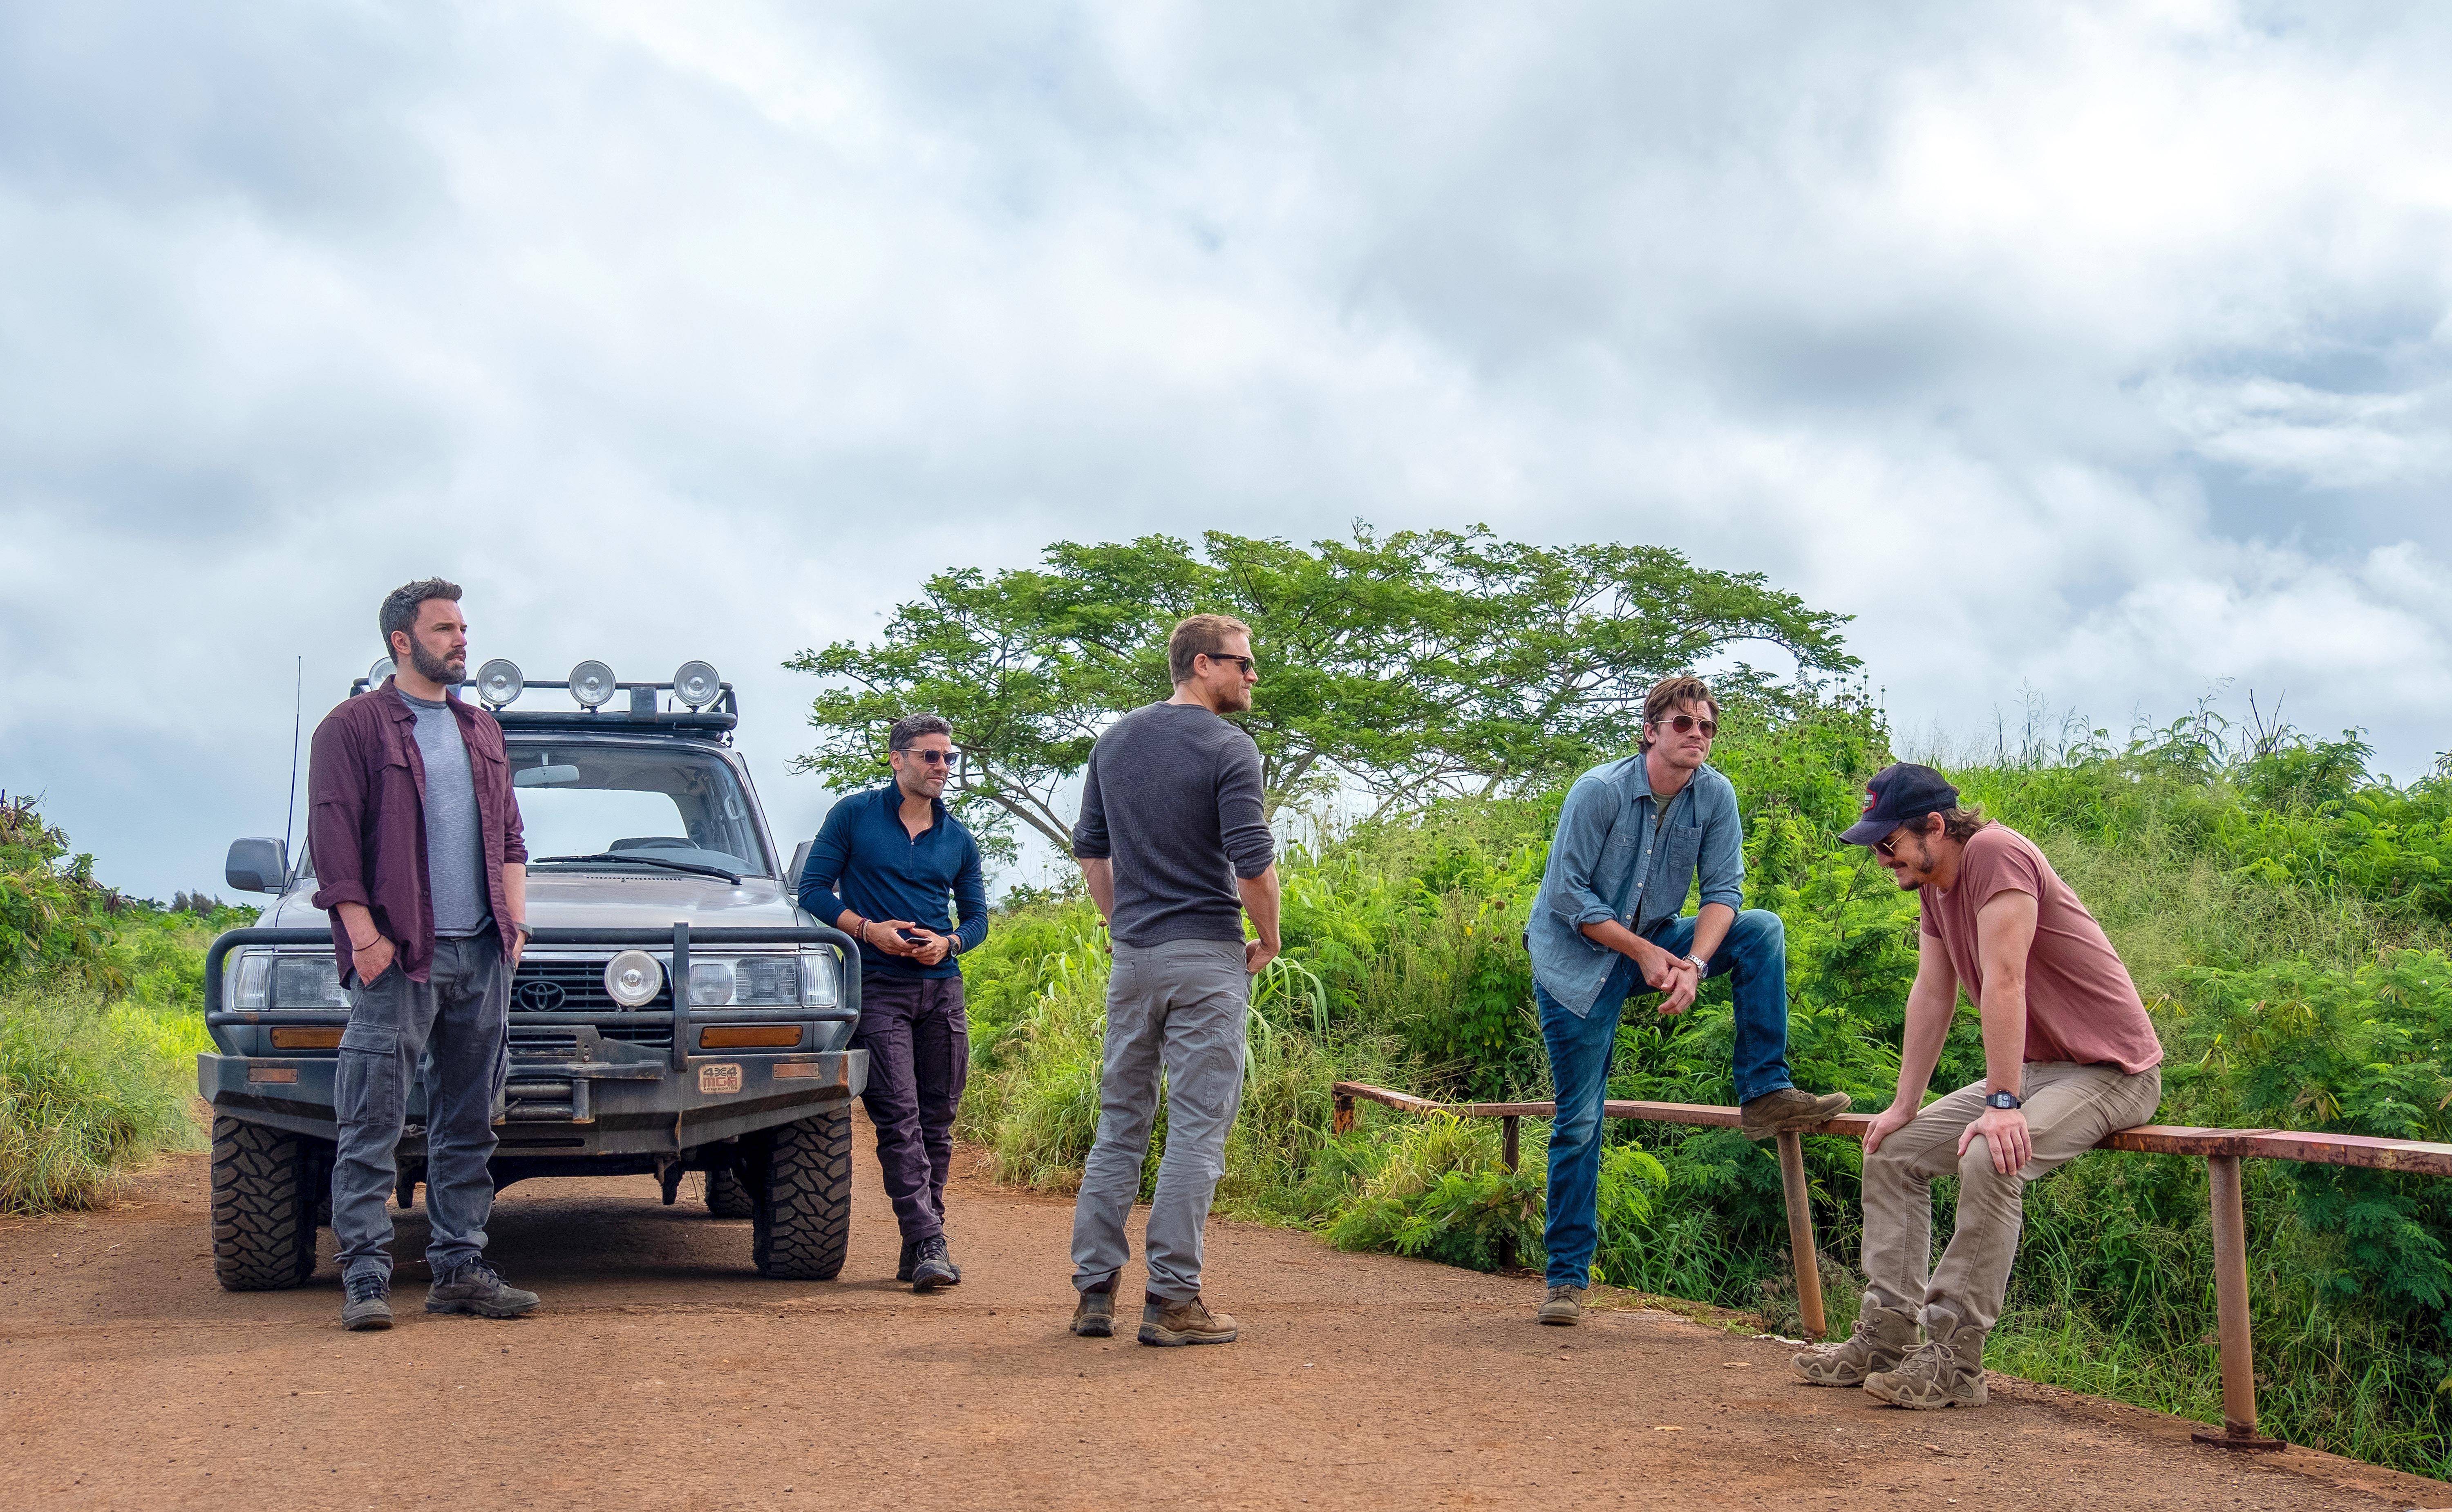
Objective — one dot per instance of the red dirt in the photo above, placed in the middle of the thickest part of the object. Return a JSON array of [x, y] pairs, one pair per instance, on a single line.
[[660, 1372]]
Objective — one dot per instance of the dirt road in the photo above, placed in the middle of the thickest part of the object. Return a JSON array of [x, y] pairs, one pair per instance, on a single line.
[[663, 1374]]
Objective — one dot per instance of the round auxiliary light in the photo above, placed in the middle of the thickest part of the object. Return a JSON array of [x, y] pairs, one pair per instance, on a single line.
[[696, 684], [498, 682], [380, 670], [592, 684], [634, 978]]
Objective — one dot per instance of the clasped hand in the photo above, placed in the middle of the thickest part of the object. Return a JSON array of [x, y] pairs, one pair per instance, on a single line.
[[888, 935], [1676, 978]]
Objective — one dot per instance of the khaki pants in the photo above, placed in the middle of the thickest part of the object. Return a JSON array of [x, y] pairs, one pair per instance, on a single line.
[[2069, 1108]]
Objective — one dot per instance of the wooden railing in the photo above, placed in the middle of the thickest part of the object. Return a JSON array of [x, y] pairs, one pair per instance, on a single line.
[[2221, 1149]]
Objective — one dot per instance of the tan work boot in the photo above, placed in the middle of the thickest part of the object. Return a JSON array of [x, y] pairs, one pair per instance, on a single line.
[[1093, 1316], [1563, 1307], [1186, 1322], [1947, 1370], [1881, 1340], [1788, 1108]]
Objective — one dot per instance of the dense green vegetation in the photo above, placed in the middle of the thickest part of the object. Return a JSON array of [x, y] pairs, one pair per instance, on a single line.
[[2285, 913], [99, 1020]]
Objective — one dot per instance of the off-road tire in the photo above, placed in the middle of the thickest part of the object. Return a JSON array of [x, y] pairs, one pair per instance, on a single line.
[[264, 1207], [802, 1222], [728, 1194]]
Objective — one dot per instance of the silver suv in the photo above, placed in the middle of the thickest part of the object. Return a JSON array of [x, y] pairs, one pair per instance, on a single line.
[[650, 868]]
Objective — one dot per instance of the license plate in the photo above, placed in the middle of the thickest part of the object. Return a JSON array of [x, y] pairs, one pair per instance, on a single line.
[[713, 1079]]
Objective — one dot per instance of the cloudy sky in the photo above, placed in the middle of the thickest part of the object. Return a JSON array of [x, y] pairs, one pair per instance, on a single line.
[[2097, 350]]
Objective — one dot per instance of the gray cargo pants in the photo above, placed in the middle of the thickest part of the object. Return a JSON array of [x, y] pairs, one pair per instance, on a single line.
[[463, 1012], [1180, 1008]]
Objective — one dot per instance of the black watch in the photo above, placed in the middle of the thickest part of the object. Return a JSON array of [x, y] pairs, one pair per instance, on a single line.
[[2003, 1100]]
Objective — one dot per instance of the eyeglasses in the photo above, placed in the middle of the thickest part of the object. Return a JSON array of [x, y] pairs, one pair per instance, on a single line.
[[1248, 666], [1889, 849], [1684, 724], [935, 758]]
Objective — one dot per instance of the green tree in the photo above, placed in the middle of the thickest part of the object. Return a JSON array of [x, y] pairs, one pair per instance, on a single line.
[[1415, 664]]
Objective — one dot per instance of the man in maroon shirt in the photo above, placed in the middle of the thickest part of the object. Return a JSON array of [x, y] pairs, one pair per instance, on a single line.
[[420, 861], [2070, 1056]]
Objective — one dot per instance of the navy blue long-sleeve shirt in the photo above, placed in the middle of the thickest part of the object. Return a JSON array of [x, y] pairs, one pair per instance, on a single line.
[[865, 860]]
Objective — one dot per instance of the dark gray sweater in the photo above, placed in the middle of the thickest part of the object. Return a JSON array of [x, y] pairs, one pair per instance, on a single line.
[[1172, 797]]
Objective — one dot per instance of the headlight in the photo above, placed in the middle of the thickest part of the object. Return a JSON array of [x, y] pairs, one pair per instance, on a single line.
[[696, 684], [634, 977], [746, 981], [243, 975], [498, 682], [376, 673], [592, 684], [307, 981], [817, 979]]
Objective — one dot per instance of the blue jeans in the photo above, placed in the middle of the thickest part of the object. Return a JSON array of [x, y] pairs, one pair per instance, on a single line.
[[1756, 957]]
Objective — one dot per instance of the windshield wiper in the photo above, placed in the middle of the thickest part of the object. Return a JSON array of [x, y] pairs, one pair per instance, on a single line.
[[633, 856]]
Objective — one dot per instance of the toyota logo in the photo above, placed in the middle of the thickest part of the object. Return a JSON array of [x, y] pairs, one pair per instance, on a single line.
[[541, 997]]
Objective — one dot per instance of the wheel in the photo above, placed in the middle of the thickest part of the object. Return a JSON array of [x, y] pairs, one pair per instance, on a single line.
[[802, 1222], [264, 1207], [728, 1195]]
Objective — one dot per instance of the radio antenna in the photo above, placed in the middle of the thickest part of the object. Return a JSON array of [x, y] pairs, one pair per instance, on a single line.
[[297, 713]]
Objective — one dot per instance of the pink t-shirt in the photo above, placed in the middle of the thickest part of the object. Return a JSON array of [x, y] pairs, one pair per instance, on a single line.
[[2081, 1004]]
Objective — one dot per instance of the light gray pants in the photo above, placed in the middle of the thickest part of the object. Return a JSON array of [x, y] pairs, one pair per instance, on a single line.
[[2069, 1108], [1177, 1008], [463, 1012]]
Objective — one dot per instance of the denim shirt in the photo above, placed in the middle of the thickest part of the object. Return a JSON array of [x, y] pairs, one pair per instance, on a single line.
[[1611, 860]]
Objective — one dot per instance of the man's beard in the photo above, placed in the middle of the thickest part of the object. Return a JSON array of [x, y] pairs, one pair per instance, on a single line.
[[444, 670]]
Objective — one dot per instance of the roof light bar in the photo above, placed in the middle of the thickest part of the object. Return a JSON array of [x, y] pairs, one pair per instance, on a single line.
[[592, 684], [498, 682], [696, 684]]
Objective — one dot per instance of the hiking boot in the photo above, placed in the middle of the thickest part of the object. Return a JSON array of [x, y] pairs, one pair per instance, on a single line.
[[366, 1302], [1947, 1370], [1563, 1307], [1186, 1322], [1881, 1340], [911, 1258], [477, 1289], [1789, 1107], [1093, 1316], [930, 1265]]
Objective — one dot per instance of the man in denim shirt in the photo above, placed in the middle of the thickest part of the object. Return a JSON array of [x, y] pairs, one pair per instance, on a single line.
[[1629, 840]]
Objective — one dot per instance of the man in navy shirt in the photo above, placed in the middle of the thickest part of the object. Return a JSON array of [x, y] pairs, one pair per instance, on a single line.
[[884, 863]]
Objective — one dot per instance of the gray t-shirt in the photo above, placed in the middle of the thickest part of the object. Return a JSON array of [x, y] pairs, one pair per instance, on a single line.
[[1172, 797], [455, 843]]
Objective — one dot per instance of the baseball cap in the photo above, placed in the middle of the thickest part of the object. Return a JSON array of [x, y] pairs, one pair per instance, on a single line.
[[1898, 792]]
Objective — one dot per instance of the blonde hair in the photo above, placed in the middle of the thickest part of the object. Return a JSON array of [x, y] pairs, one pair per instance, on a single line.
[[1199, 635]]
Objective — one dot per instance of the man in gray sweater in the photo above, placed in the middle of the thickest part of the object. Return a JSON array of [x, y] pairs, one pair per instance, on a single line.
[[1175, 846]]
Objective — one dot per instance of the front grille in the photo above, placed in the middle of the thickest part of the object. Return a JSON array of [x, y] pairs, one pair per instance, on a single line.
[[578, 987]]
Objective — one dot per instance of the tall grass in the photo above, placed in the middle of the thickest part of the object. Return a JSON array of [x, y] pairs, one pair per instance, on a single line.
[[85, 1089]]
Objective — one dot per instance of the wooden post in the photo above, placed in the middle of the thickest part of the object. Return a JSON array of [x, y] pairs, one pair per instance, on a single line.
[[1507, 1140], [1343, 1123], [1800, 1232], [2230, 1308]]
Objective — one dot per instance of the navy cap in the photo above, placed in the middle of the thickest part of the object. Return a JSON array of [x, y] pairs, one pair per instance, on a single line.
[[1898, 792]]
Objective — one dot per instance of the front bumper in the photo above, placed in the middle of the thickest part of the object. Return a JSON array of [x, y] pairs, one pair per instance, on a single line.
[[626, 1107]]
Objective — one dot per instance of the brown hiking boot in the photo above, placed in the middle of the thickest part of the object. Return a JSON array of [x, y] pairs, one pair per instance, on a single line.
[[1947, 1370], [1881, 1340], [1186, 1322], [1788, 1108], [1093, 1316], [1563, 1307]]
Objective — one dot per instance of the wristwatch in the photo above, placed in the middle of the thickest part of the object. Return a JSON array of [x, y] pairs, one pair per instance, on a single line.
[[2003, 1100], [1702, 967]]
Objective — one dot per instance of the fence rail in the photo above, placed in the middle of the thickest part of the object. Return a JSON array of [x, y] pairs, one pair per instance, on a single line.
[[2221, 1149]]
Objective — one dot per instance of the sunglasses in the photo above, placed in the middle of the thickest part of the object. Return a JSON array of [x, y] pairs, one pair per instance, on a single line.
[[1889, 849], [935, 758], [1684, 724], [1248, 666]]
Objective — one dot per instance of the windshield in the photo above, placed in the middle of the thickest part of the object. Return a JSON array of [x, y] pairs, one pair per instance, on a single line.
[[660, 805]]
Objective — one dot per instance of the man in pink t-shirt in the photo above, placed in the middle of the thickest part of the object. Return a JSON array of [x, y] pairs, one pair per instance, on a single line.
[[2070, 1056]]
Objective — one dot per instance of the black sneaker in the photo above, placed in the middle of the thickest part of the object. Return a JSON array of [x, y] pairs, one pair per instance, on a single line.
[[366, 1302], [476, 1287], [931, 1268]]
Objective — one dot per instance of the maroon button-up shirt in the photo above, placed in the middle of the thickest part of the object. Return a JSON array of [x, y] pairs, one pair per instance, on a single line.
[[366, 822]]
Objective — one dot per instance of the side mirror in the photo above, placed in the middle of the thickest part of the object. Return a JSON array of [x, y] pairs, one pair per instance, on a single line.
[[257, 866], [800, 864]]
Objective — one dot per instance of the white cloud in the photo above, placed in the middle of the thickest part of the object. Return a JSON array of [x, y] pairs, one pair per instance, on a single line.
[[2098, 348]]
